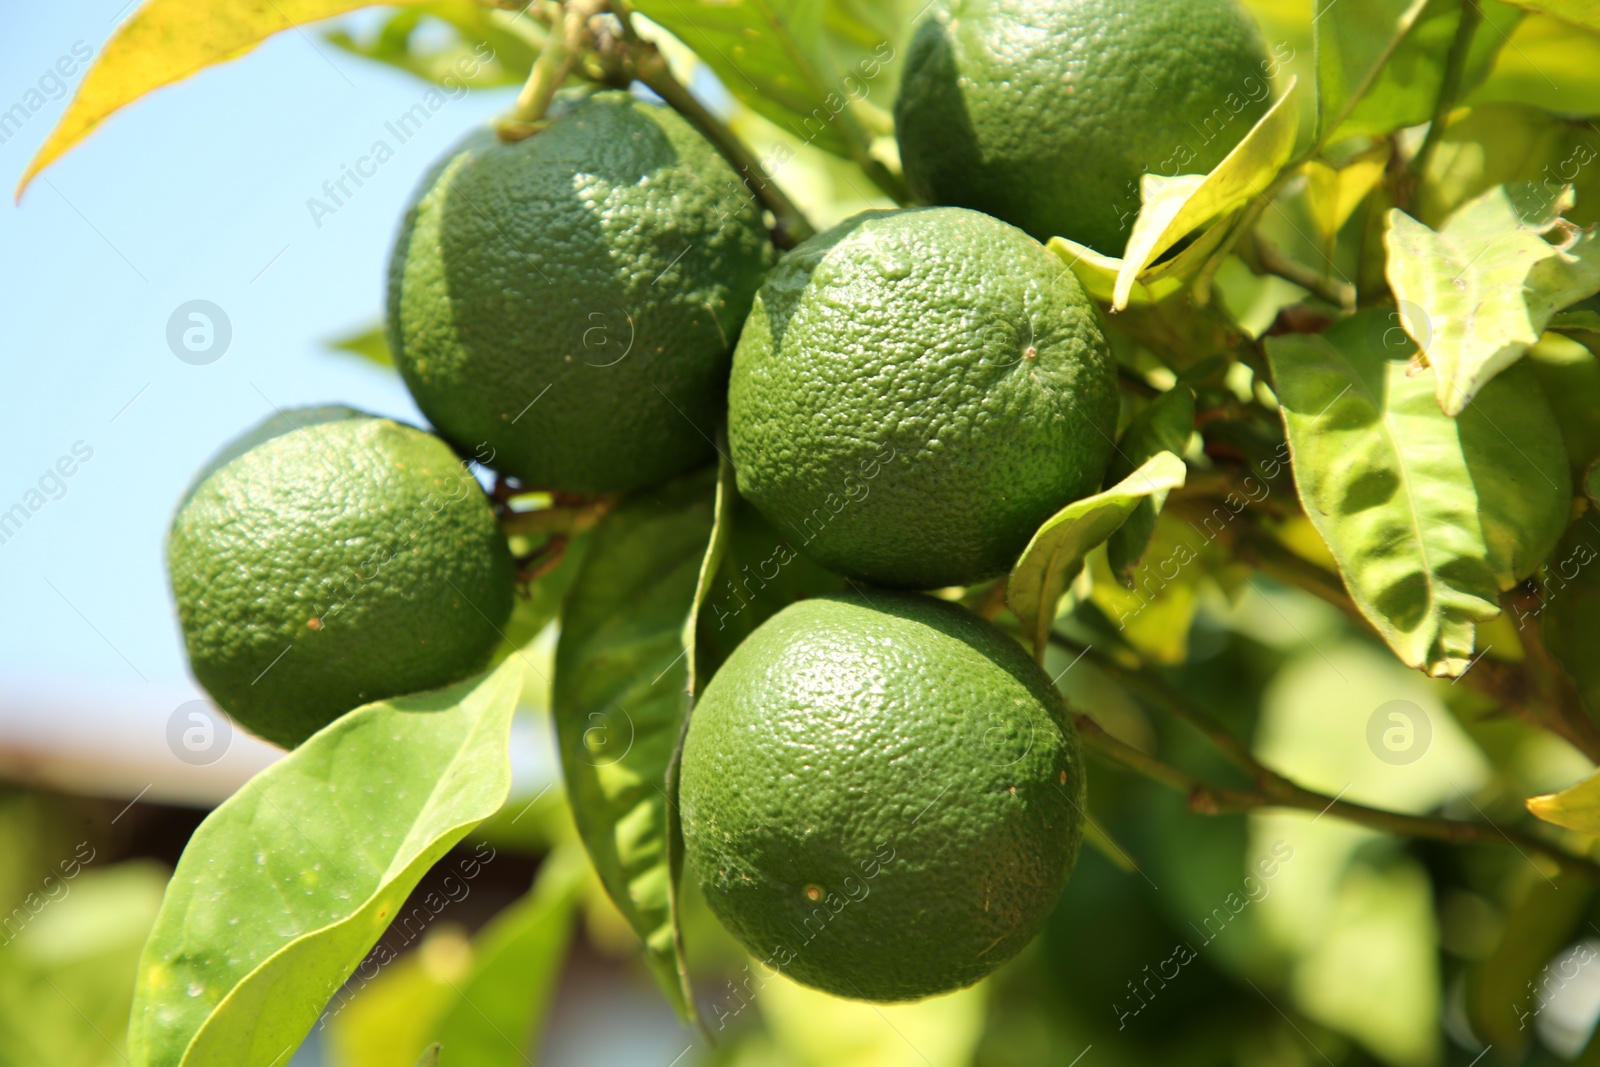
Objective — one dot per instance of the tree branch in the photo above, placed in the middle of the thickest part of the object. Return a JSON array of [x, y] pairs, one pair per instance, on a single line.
[[1273, 789]]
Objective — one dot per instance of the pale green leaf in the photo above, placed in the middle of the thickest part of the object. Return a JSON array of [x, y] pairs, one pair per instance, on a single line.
[[371, 345], [487, 48], [1429, 517], [1163, 426], [619, 697], [1576, 808], [1478, 292], [809, 66], [1501, 144], [1056, 554], [430, 1056], [1332, 195], [1173, 208], [165, 41], [493, 1018], [284, 888]]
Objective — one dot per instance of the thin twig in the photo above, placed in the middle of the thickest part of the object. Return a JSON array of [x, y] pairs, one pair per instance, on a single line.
[[1272, 260], [1273, 790]]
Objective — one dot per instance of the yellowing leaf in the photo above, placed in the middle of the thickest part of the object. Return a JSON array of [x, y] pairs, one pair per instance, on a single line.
[[1176, 207], [165, 41], [1476, 294], [1055, 555], [1332, 196], [1576, 808], [1585, 13]]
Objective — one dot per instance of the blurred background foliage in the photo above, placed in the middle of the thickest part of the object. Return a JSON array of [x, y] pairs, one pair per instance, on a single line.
[[1269, 940]]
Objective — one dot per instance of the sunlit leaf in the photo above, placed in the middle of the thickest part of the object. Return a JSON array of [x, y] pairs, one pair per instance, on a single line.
[[1578, 12], [493, 1019], [1354, 39], [1429, 517], [804, 64], [1576, 808], [620, 691], [284, 888], [165, 41], [1332, 195], [487, 48], [1163, 426], [1549, 63], [1381, 63], [371, 345], [1478, 292], [1501, 144], [1056, 554], [1173, 208]]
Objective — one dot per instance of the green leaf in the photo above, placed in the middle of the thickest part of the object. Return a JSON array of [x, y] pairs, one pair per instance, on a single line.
[[284, 888], [1055, 555], [1163, 426], [493, 1020], [1548, 63], [1500, 989], [485, 49], [751, 572], [1569, 612], [165, 41], [1478, 292], [1578, 12], [1500, 144], [1575, 808], [1381, 63], [371, 345], [1429, 517], [430, 1056], [1569, 374], [619, 697], [1354, 40], [804, 64], [1173, 208]]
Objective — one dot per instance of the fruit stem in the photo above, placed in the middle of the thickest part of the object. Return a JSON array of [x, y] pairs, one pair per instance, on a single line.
[[550, 70], [651, 68], [1449, 91], [1209, 799]]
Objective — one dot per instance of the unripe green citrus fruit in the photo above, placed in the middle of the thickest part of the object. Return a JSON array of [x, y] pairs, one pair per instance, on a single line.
[[915, 392], [336, 559], [563, 307], [881, 797], [1046, 113]]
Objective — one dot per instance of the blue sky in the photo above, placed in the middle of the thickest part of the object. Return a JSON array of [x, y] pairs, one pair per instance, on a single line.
[[199, 192]]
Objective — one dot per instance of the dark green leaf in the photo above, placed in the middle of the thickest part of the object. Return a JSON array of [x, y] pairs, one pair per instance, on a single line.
[[1429, 517], [1163, 426], [619, 697], [751, 572], [284, 888]]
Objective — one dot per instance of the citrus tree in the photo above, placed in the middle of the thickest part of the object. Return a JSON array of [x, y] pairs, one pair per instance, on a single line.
[[1188, 352]]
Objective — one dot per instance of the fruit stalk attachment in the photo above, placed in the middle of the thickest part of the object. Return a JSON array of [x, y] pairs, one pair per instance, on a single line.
[[561, 51]]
